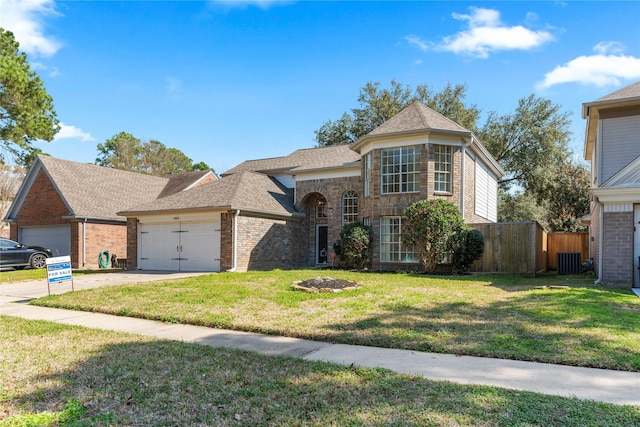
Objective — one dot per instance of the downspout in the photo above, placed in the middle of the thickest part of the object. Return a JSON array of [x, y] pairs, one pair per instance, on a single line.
[[84, 242], [600, 245], [464, 154], [462, 168], [234, 241]]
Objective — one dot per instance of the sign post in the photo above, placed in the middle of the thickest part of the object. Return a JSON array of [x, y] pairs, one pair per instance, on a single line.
[[58, 270]]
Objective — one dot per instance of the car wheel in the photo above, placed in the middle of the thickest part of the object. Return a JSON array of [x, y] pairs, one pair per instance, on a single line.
[[38, 261]]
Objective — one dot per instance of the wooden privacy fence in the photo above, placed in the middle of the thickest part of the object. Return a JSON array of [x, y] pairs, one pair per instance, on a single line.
[[525, 248], [566, 242], [512, 247]]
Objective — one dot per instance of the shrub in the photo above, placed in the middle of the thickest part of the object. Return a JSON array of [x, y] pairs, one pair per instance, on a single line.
[[354, 245], [468, 248], [431, 228]]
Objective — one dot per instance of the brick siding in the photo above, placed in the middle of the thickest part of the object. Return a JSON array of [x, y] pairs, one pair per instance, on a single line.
[[43, 206], [262, 243], [617, 251], [377, 205]]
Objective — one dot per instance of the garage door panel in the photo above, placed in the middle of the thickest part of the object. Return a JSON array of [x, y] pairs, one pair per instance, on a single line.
[[157, 252], [56, 238], [187, 246], [200, 245]]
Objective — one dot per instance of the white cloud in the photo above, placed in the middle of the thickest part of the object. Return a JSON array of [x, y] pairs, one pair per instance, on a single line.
[[24, 18], [607, 67], [418, 42], [72, 132], [486, 33]]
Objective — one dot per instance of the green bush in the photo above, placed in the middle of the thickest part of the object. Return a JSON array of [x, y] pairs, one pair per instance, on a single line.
[[431, 227], [354, 245], [468, 248]]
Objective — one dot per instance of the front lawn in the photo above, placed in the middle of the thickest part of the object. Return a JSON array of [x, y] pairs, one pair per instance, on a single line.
[[13, 276], [60, 375], [502, 316]]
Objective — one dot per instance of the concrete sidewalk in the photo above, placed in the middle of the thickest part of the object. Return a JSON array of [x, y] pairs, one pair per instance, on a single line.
[[584, 383]]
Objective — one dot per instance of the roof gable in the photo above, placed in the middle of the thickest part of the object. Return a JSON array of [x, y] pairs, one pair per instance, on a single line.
[[97, 192], [417, 117], [185, 181], [248, 191]]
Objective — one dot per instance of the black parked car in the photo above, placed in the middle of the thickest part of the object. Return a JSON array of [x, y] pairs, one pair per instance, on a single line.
[[18, 256]]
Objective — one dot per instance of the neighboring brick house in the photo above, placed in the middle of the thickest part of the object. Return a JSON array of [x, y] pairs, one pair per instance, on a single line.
[[612, 144], [71, 207], [286, 212]]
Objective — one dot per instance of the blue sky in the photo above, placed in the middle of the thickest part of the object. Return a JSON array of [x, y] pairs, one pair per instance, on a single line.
[[235, 80]]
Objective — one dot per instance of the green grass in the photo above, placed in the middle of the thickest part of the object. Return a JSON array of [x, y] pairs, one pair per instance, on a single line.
[[54, 374], [12, 276], [500, 316]]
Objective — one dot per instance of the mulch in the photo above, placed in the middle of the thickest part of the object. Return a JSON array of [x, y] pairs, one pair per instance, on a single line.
[[325, 284]]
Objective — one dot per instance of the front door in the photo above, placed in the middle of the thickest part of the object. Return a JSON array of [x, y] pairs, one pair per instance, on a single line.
[[321, 244]]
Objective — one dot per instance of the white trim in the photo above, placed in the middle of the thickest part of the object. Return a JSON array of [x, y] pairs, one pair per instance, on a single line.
[[618, 207], [618, 195], [340, 173]]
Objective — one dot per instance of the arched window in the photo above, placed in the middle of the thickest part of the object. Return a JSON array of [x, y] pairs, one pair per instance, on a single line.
[[349, 207]]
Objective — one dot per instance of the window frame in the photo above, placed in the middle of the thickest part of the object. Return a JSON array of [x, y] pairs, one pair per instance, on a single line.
[[351, 209], [403, 253], [442, 168], [400, 169]]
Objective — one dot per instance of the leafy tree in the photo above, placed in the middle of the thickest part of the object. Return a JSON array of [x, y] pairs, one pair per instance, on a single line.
[[26, 109], [122, 151], [10, 179], [431, 227], [568, 198], [200, 166], [354, 245], [125, 151], [519, 206], [529, 143], [379, 105]]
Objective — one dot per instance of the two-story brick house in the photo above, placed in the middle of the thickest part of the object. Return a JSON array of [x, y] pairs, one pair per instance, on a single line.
[[612, 144], [287, 211]]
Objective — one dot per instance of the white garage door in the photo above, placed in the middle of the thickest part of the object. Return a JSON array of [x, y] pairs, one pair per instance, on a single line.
[[56, 238], [185, 246]]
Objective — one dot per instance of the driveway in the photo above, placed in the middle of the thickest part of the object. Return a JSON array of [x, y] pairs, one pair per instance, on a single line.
[[30, 289]]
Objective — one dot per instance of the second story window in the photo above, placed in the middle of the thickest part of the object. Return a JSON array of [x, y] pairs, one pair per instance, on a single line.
[[442, 168], [400, 170], [349, 207]]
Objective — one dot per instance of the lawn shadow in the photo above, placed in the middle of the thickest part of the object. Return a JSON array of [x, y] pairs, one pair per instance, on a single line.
[[173, 383], [579, 326]]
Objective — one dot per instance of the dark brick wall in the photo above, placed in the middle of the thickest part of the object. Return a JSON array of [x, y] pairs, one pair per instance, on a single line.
[[617, 250]]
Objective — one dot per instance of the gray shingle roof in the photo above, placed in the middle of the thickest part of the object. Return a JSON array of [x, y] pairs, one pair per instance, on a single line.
[[415, 117], [301, 160], [245, 190], [180, 182], [92, 191], [631, 91]]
